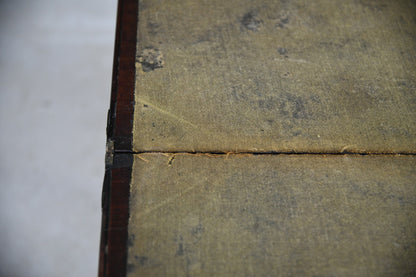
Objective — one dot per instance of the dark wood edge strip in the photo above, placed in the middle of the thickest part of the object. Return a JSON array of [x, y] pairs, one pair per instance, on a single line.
[[120, 115], [114, 232], [118, 216], [116, 187]]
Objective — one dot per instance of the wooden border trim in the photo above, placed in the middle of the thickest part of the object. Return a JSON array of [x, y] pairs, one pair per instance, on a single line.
[[116, 193], [120, 116], [116, 188]]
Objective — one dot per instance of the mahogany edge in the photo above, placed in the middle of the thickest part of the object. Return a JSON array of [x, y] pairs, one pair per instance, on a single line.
[[116, 187]]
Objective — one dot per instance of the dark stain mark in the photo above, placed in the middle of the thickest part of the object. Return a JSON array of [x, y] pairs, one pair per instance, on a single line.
[[394, 131], [401, 201], [283, 22], [130, 240], [402, 83], [153, 28], [364, 44], [315, 98], [407, 85], [289, 105], [180, 251], [142, 260], [261, 222], [282, 51], [151, 59], [299, 108], [388, 196], [269, 121], [196, 231], [251, 22], [146, 106]]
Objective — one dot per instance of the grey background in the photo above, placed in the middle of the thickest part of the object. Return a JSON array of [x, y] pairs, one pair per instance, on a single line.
[[55, 76]]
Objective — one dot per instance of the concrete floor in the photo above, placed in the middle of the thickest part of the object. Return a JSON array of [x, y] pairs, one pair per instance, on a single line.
[[55, 76]]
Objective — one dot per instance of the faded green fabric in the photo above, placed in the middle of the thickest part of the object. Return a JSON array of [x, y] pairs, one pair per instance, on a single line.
[[278, 215], [255, 75], [324, 76]]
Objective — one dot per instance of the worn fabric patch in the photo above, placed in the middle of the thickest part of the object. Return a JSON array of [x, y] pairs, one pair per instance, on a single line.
[[272, 215], [261, 76]]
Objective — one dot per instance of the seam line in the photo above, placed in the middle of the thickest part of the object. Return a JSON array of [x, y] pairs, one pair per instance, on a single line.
[[254, 153]]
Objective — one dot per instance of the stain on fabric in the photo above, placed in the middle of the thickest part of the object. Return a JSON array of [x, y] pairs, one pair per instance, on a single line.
[[283, 22], [153, 28], [251, 22], [180, 250], [282, 51], [142, 260], [151, 59], [130, 240]]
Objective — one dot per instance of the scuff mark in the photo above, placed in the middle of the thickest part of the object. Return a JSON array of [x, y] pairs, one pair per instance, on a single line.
[[144, 102], [170, 161], [166, 202], [141, 158], [109, 153], [346, 148]]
